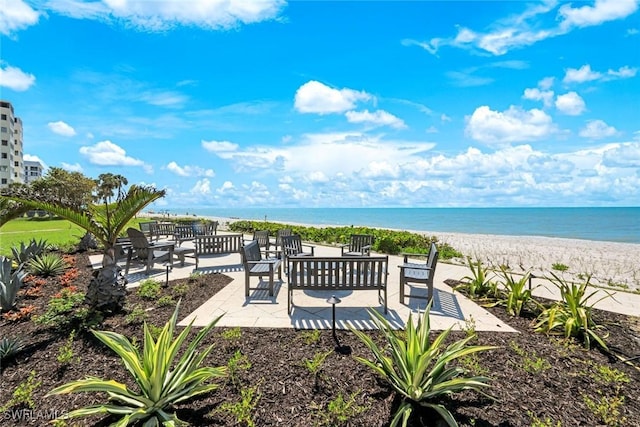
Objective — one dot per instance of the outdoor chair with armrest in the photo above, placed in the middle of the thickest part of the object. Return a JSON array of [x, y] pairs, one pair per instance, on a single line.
[[146, 252], [293, 246], [255, 265], [360, 245], [419, 272]]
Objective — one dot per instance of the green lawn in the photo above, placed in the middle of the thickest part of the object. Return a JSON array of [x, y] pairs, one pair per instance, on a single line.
[[58, 232]]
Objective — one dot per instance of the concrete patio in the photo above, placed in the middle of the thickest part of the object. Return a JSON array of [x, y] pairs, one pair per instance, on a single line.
[[311, 310]]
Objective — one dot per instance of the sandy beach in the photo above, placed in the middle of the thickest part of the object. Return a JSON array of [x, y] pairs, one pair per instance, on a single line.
[[609, 263]]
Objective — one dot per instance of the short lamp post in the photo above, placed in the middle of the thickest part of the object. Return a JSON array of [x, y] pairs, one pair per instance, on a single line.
[[333, 301]]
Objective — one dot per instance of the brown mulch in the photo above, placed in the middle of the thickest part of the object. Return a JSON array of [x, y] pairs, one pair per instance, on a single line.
[[533, 377]]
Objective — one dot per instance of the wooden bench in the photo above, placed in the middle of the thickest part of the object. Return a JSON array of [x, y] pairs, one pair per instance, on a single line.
[[217, 244], [162, 229], [255, 265], [352, 273], [186, 232]]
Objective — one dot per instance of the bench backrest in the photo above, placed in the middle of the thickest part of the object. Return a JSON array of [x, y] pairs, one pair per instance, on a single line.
[[349, 273], [145, 226], [433, 260], [262, 237], [218, 244]]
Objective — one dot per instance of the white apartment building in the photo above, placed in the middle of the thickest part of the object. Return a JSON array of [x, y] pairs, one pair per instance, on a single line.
[[11, 151], [32, 171]]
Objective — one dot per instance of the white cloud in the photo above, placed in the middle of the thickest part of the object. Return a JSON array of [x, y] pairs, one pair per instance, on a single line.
[[16, 15], [596, 129], [602, 11], [581, 75], [444, 118], [161, 16], [431, 129], [526, 29], [546, 83], [164, 99], [624, 155], [61, 128], [570, 104], [316, 97], [219, 146], [75, 167], [201, 188], [512, 125], [14, 78], [378, 118], [189, 170], [106, 153], [585, 74], [546, 96]]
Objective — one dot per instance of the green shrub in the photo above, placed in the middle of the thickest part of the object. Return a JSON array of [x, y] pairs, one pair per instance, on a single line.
[[418, 368], [155, 371], [242, 410], [149, 289], [59, 308], [23, 394], [46, 265], [559, 267]]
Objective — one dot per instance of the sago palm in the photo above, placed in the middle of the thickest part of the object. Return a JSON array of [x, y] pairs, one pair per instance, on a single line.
[[105, 221]]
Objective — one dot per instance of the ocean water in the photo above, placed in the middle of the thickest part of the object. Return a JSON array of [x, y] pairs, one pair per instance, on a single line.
[[614, 224]]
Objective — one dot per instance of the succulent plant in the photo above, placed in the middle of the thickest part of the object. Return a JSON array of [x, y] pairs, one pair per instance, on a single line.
[[10, 283], [9, 347], [107, 289], [24, 253]]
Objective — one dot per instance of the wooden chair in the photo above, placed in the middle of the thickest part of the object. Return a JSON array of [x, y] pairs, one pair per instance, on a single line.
[[293, 246], [255, 265], [264, 242], [145, 252], [360, 245], [419, 272], [283, 232], [145, 227]]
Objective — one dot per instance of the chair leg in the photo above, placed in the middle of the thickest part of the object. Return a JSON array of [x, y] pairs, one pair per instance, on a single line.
[[271, 280], [246, 285]]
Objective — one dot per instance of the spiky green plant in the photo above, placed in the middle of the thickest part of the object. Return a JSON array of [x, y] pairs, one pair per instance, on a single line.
[[45, 265], [480, 282], [419, 368], [9, 347], [10, 283], [160, 384], [516, 292], [572, 316], [24, 253]]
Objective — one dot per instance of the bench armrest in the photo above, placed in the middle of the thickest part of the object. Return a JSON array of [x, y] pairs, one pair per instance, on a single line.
[[415, 267]]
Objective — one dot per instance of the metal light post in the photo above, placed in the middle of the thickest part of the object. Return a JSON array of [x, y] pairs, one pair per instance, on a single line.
[[333, 301]]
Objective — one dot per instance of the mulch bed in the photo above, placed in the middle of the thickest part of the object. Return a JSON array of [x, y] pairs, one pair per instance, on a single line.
[[535, 378]]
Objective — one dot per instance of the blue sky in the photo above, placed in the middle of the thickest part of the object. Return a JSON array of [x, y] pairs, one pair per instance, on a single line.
[[334, 104]]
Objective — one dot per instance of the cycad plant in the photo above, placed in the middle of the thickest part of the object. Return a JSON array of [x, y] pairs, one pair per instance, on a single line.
[[572, 315], [420, 368], [161, 382]]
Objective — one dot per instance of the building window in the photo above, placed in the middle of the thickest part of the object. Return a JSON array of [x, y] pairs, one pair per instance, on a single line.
[[3, 116], [3, 129], [4, 155], [4, 180], [5, 142], [16, 164]]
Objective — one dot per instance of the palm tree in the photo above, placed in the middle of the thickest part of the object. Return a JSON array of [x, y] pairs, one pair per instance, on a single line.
[[105, 221]]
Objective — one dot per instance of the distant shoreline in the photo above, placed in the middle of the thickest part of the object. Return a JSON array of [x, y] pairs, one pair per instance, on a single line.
[[608, 262]]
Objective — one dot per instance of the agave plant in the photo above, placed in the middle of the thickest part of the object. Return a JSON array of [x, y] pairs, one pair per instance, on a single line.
[[480, 282], [46, 265], [10, 283], [517, 293], [572, 315], [24, 253], [160, 385], [419, 368], [9, 347]]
